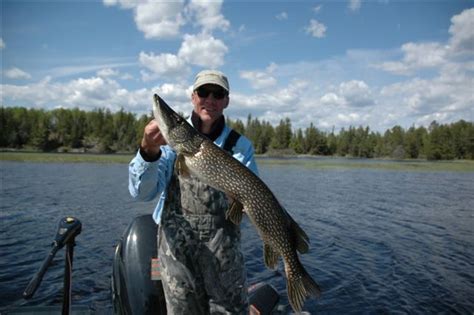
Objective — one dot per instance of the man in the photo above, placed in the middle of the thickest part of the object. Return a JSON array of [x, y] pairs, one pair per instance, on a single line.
[[202, 266]]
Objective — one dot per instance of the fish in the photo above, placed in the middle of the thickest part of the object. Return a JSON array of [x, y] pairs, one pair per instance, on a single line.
[[199, 157]]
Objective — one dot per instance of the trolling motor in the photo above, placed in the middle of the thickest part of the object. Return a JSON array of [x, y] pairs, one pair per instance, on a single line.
[[68, 229]]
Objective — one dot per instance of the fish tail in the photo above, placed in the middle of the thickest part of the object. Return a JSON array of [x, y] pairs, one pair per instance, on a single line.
[[301, 286]]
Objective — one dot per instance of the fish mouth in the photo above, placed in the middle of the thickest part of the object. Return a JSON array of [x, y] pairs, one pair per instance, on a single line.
[[163, 111], [167, 120]]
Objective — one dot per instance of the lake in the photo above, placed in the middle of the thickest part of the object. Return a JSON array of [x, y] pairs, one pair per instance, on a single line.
[[382, 241]]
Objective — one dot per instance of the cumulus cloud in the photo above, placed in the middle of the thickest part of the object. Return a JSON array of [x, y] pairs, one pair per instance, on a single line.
[[165, 65], [161, 19], [79, 92], [156, 19], [94, 92], [419, 56], [349, 94], [200, 50], [164, 19], [416, 56], [260, 79], [17, 74], [356, 93], [203, 50], [207, 15], [336, 92], [462, 31], [316, 29], [332, 99]]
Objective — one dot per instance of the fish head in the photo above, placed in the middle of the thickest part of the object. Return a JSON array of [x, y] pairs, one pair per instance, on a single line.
[[178, 133]]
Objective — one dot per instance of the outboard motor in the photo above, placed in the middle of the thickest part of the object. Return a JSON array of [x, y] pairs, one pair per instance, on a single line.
[[136, 282]]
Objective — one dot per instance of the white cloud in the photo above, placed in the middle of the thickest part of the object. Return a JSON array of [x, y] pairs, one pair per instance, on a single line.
[[356, 93], [416, 56], [434, 55], [462, 31], [419, 99], [282, 16], [159, 19], [203, 50], [348, 95], [207, 15], [349, 118], [338, 91], [317, 8], [156, 19], [354, 5], [107, 72], [17, 74], [332, 99], [164, 19], [85, 93], [2, 43], [87, 66], [260, 79], [316, 29], [164, 65]]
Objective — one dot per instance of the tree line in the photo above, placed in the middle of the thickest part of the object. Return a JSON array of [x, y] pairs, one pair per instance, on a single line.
[[101, 131]]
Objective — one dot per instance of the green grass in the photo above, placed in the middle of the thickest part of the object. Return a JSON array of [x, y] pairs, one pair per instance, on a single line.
[[406, 165], [65, 157], [327, 163]]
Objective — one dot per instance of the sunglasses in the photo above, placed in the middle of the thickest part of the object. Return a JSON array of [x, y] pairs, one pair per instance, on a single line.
[[218, 94]]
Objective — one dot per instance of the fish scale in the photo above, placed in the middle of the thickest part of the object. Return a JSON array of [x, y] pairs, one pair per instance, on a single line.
[[281, 235]]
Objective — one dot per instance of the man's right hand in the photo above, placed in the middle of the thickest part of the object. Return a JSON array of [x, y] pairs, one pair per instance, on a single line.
[[151, 141]]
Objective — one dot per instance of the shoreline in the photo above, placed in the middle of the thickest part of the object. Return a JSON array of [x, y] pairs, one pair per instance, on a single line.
[[306, 161]]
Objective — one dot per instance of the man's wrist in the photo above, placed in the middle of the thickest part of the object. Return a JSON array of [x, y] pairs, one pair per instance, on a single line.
[[149, 157]]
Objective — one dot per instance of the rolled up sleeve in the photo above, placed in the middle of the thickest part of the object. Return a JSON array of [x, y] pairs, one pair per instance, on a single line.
[[148, 179]]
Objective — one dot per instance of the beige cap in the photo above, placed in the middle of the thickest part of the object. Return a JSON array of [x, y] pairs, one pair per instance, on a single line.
[[211, 77]]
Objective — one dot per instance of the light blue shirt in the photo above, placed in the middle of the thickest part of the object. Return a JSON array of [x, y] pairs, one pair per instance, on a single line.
[[146, 180]]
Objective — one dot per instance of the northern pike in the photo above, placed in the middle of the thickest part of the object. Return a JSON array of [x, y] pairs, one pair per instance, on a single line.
[[200, 157]]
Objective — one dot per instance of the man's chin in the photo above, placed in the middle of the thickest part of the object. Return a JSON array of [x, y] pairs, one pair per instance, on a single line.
[[207, 116]]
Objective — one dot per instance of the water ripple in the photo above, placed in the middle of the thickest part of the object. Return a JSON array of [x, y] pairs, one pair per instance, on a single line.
[[382, 242]]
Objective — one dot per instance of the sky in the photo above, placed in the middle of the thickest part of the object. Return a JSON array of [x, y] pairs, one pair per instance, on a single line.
[[335, 64]]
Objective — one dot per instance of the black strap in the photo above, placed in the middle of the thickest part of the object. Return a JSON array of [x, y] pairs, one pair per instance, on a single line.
[[231, 140]]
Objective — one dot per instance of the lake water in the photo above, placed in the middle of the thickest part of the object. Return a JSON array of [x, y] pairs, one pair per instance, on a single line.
[[382, 242]]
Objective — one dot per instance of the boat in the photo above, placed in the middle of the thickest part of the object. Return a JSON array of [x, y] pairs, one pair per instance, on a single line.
[[135, 283]]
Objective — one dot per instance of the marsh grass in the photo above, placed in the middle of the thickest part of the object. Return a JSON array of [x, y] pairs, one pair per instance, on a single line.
[[312, 163], [65, 157], [395, 165]]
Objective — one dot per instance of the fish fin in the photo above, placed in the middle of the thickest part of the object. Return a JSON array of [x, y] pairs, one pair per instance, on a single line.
[[180, 166], [270, 256], [235, 212], [301, 287], [301, 239]]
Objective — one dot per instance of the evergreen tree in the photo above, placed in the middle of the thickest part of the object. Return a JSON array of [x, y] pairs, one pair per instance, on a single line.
[[283, 134], [101, 130], [297, 142]]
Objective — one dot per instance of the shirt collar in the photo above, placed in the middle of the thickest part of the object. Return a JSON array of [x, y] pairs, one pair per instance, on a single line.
[[216, 128]]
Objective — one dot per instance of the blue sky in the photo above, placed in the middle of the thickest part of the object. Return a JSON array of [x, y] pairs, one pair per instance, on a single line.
[[335, 64]]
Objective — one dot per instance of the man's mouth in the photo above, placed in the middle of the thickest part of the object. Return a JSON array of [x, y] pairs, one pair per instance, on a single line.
[[209, 110]]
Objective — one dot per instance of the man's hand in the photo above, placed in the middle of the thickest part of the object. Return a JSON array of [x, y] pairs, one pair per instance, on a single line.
[[151, 141]]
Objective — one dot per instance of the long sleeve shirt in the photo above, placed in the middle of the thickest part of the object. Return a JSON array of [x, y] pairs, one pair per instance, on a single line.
[[150, 179]]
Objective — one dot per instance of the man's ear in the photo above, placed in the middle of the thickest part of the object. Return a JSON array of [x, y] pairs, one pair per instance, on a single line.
[[227, 101]]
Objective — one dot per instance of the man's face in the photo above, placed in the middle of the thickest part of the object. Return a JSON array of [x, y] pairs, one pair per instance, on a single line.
[[209, 102]]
